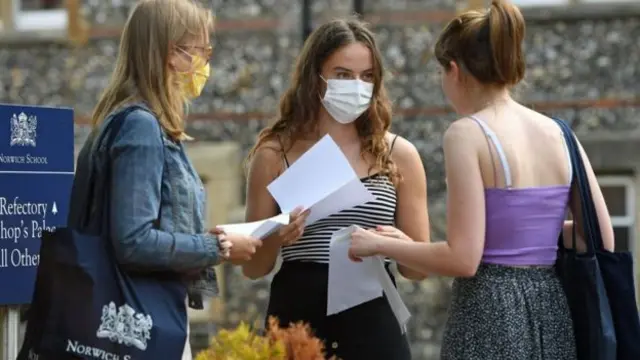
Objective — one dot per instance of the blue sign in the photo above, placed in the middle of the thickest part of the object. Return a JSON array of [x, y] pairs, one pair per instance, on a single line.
[[36, 175]]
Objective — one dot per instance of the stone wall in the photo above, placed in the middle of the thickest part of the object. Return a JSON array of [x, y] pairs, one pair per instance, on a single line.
[[584, 70]]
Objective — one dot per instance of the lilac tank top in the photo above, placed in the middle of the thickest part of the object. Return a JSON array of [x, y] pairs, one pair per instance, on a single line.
[[522, 224]]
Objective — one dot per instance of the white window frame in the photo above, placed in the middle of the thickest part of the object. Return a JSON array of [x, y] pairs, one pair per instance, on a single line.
[[38, 20], [629, 220]]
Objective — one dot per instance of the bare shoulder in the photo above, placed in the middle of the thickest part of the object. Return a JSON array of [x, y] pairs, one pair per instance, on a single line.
[[267, 159], [462, 133], [269, 150], [403, 153]]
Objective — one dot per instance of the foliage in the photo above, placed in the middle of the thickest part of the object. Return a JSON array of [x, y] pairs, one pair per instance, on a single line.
[[295, 342], [242, 344], [300, 344]]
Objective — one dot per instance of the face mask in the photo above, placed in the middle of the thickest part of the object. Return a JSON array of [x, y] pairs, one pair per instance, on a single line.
[[192, 82], [346, 100]]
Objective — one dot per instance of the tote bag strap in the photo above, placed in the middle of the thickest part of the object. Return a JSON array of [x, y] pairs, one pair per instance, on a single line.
[[92, 201], [98, 196], [590, 224]]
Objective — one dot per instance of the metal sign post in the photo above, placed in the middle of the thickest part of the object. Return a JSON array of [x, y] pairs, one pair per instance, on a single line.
[[36, 173], [10, 332]]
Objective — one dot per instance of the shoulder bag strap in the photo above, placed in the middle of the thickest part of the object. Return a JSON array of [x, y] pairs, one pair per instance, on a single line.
[[591, 226]]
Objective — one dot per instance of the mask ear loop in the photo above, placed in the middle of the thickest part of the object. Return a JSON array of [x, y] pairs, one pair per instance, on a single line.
[[325, 90]]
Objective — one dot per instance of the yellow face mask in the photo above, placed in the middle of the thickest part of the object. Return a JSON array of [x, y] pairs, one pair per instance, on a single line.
[[192, 82]]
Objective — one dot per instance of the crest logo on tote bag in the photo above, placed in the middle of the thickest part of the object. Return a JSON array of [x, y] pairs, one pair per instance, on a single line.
[[124, 326]]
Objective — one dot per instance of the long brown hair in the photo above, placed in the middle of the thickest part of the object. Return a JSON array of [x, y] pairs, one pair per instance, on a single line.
[[141, 69], [300, 104], [486, 44]]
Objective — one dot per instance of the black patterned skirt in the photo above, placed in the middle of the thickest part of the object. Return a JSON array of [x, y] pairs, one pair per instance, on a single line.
[[507, 313]]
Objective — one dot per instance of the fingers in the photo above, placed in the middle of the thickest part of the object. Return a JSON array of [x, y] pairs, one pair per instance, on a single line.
[[385, 228], [292, 236], [297, 219], [389, 231], [216, 231], [256, 243], [394, 235], [225, 247], [242, 248], [225, 244], [252, 244], [353, 258], [300, 220], [359, 233], [296, 211], [295, 229]]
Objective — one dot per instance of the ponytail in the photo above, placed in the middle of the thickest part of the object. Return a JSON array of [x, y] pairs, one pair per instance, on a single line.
[[486, 44], [506, 33]]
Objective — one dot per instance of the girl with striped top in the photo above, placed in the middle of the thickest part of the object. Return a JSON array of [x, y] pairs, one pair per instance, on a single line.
[[337, 89]]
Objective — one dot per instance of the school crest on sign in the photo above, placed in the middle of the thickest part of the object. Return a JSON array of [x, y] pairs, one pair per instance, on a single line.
[[23, 130]]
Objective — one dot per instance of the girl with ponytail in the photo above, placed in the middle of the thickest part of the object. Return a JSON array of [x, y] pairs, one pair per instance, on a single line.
[[508, 191]]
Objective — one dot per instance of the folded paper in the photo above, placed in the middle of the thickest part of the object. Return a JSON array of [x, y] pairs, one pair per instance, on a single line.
[[354, 283], [258, 229]]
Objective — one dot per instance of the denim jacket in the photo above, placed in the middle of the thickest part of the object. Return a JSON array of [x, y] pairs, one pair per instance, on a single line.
[[157, 201]]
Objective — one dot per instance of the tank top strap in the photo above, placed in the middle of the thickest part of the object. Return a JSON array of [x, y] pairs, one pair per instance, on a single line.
[[393, 142], [568, 154], [285, 161], [499, 149]]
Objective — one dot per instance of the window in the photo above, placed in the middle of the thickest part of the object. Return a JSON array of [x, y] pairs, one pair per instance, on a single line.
[[618, 192], [39, 15]]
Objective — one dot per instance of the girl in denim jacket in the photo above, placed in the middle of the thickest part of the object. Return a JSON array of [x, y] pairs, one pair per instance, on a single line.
[[157, 219]]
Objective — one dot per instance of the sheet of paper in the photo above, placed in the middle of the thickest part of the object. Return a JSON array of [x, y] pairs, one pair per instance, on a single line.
[[354, 283], [350, 283], [393, 296], [258, 229], [321, 180], [351, 194]]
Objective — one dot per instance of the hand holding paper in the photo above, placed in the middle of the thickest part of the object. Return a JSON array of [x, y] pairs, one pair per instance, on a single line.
[[363, 244], [291, 232], [353, 283], [350, 283], [238, 248], [244, 238], [258, 229]]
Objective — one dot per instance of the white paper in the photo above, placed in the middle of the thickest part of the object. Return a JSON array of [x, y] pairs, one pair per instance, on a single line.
[[350, 195], [393, 296], [354, 283], [321, 180], [258, 229], [350, 283]]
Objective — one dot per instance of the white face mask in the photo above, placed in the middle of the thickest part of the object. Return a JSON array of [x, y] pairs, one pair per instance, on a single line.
[[346, 100]]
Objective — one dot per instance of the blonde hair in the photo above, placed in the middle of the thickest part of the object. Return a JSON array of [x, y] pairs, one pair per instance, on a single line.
[[141, 71]]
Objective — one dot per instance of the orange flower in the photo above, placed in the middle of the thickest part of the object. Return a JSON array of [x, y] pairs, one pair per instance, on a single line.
[[298, 340]]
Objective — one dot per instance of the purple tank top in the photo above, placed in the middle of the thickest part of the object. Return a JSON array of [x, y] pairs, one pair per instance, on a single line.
[[522, 225]]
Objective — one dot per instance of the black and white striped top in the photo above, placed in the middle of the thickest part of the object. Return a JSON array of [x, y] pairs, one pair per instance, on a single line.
[[314, 244]]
